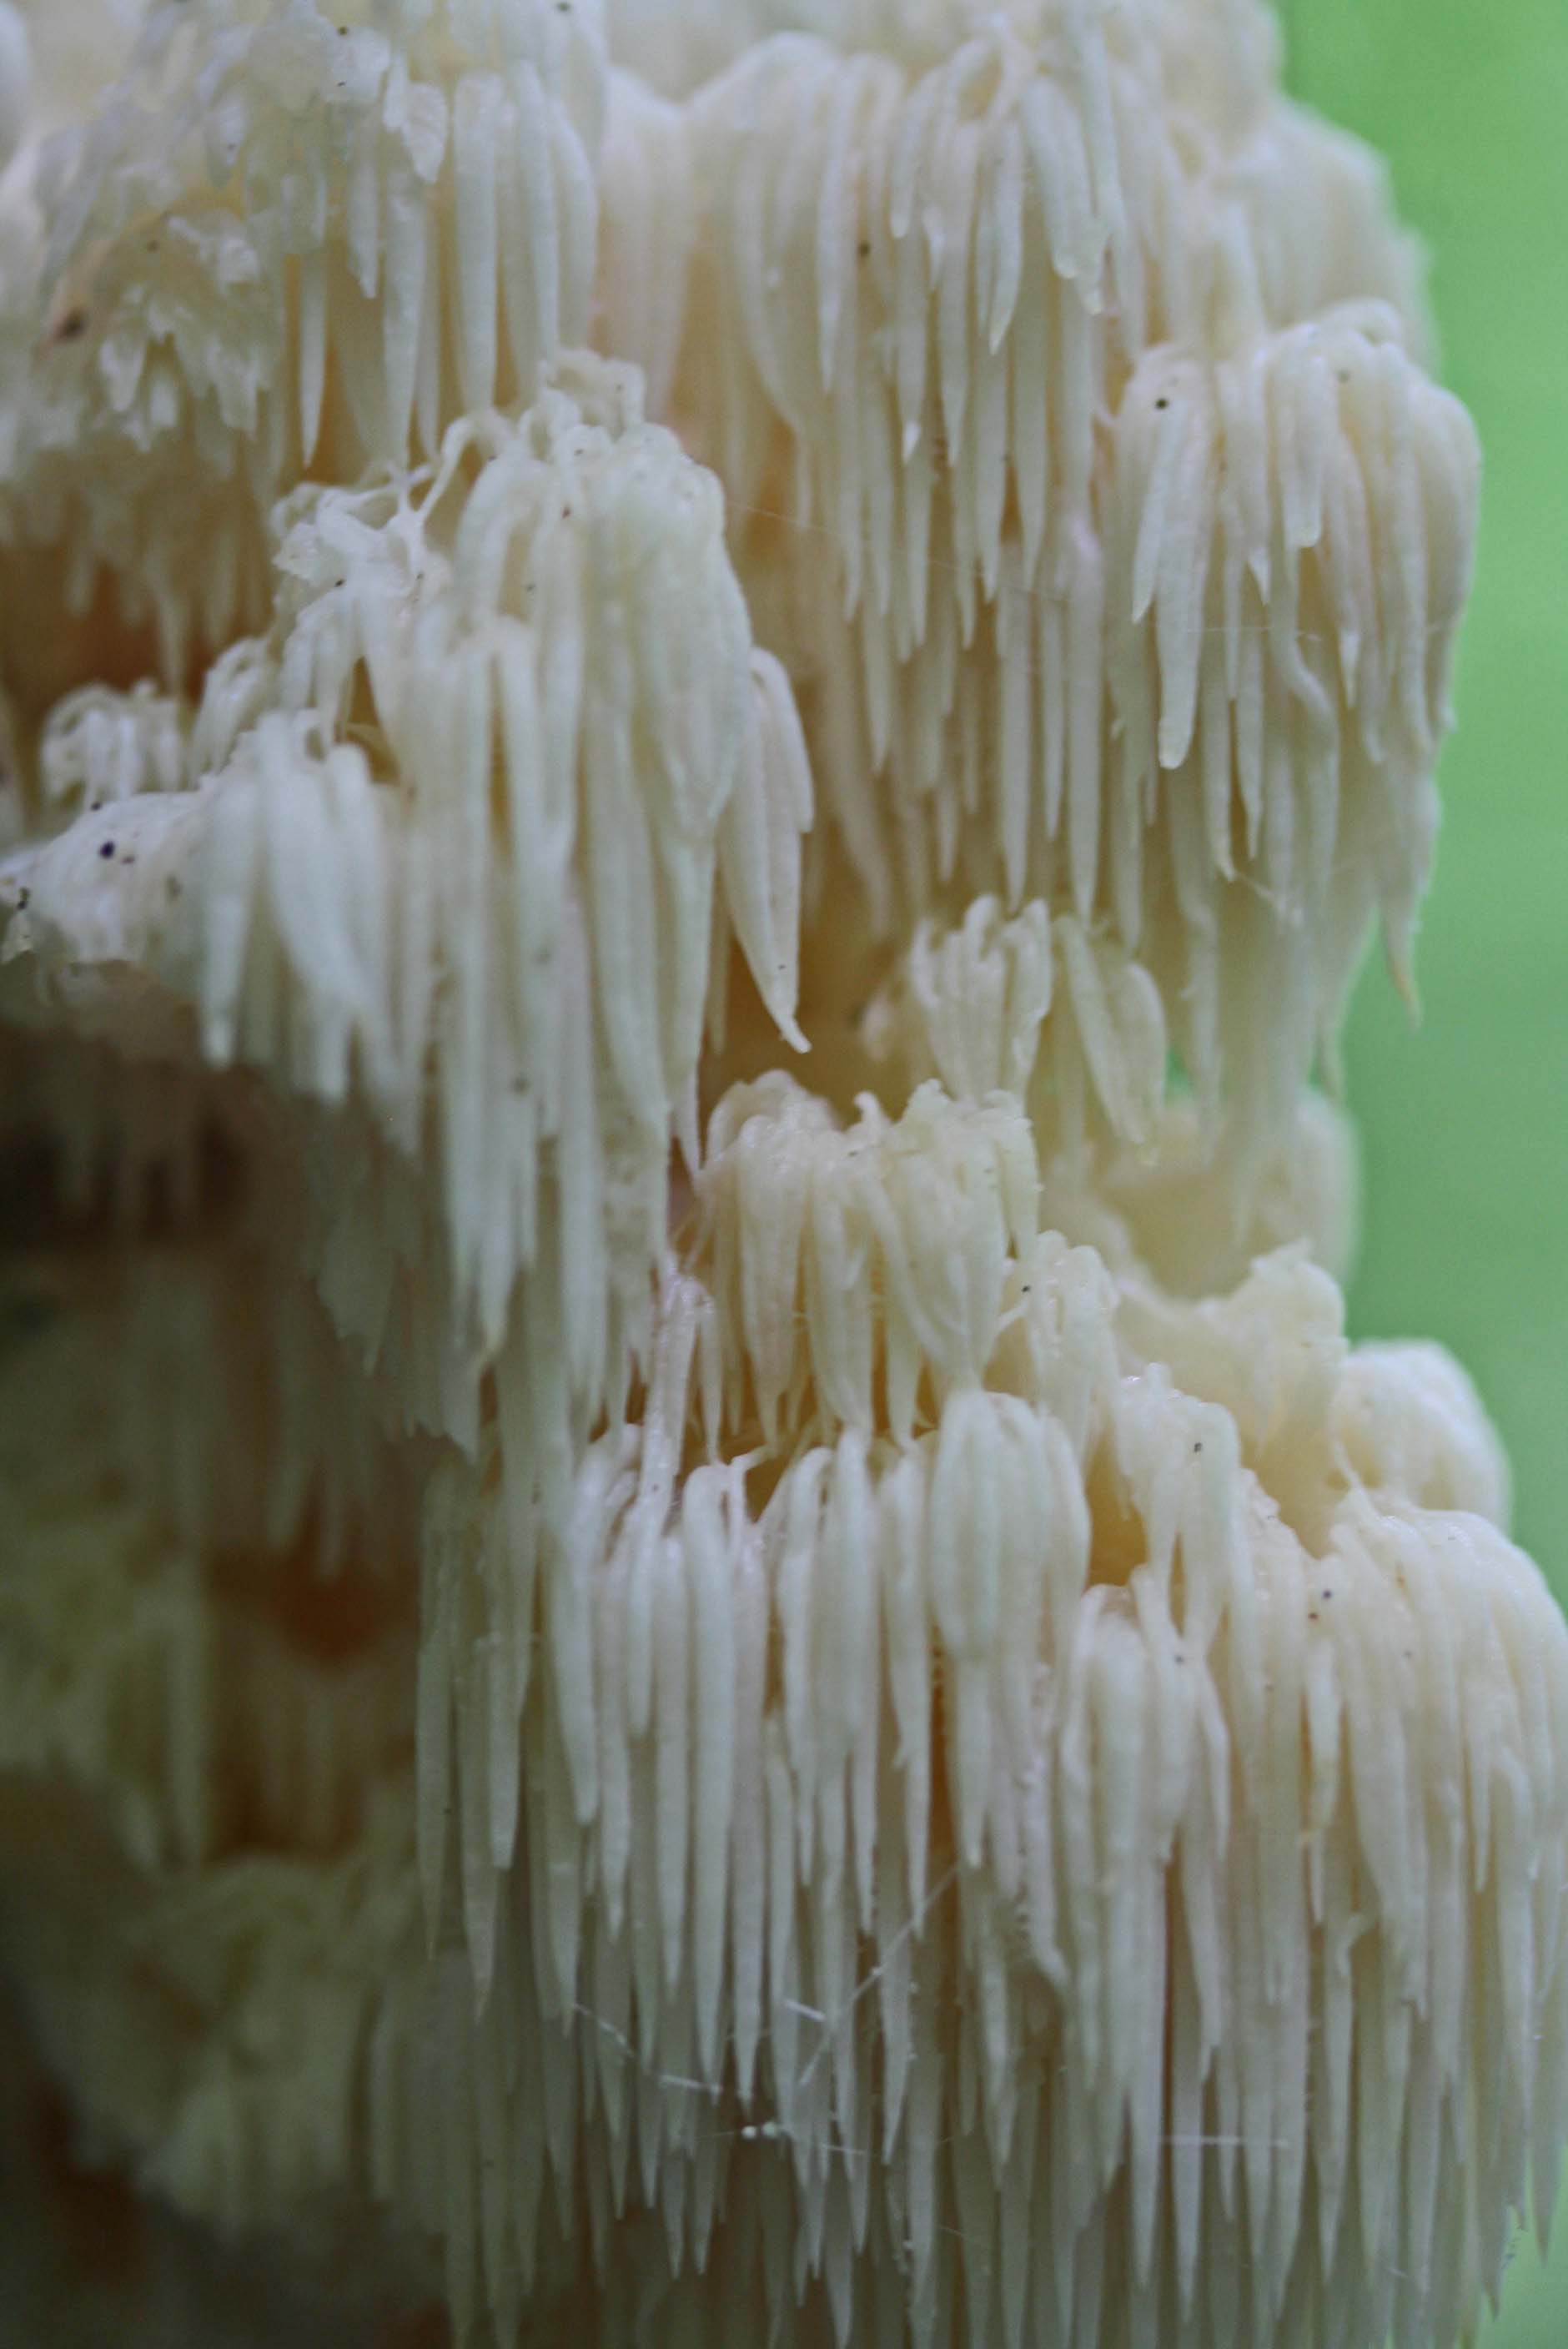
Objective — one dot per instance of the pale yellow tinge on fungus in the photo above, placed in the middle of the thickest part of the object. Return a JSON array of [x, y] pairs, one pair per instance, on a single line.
[[699, 1607]]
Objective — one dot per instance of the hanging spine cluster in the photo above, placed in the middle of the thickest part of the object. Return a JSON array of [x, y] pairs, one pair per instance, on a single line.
[[1057, 1016], [296, 246], [1120, 503], [1054, 1724], [508, 766]]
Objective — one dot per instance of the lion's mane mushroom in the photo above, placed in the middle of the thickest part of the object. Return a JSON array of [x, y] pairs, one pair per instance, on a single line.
[[700, 1611]]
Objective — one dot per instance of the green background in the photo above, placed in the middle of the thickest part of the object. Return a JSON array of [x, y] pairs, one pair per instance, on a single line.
[[1465, 1123]]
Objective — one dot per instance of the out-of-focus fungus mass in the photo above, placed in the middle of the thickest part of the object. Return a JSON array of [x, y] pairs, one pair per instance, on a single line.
[[705, 1635]]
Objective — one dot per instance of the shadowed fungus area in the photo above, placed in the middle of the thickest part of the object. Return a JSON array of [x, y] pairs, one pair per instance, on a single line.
[[1119, 1540], [705, 1633]]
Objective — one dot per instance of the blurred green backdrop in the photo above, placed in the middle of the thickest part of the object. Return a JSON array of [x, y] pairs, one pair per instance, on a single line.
[[1465, 1123]]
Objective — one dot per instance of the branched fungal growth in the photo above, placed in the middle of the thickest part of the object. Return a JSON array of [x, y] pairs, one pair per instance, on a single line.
[[705, 1633]]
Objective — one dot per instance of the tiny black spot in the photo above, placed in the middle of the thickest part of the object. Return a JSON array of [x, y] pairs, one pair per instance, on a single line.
[[1312, 1614], [23, 897], [105, 848], [1162, 401], [128, 860], [73, 324], [865, 248], [1197, 1447], [1027, 1288]]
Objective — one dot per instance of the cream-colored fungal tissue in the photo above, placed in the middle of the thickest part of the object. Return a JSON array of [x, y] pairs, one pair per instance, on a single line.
[[705, 1637]]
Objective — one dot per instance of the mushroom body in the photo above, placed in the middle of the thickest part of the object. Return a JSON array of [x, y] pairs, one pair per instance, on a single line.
[[700, 1610]]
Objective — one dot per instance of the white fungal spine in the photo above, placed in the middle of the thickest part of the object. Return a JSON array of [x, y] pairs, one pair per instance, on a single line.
[[648, 223], [816, 1234], [1052, 1014]]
